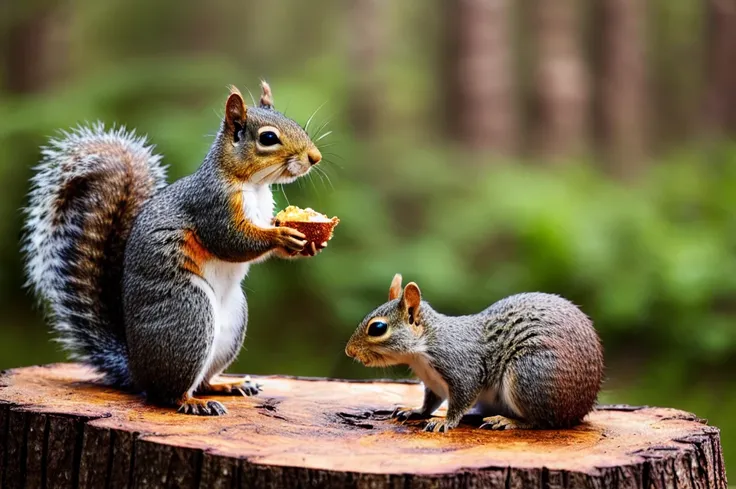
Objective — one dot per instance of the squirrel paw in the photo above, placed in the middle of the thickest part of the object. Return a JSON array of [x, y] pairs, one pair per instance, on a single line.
[[290, 240], [501, 423], [248, 388], [237, 387], [437, 425], [404, 414], [314, 248], [200, 407]]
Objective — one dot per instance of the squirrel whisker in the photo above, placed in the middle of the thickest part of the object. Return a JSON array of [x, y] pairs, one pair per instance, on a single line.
[[311, 179], [324, 125], [533, 358], [306, 126], [324, 172], [186, 251], [279, 173], [323, 136], [284, 193], [252, 99]]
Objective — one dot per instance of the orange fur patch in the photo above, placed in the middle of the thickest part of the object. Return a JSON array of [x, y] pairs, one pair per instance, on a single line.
[[195, 254], [236, 207]]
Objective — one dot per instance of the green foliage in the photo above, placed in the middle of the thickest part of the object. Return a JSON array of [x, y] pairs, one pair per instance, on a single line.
[[652, 263]]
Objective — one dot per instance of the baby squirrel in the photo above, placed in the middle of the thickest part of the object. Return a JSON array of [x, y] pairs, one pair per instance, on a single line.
[[531, 360], [143, 280]]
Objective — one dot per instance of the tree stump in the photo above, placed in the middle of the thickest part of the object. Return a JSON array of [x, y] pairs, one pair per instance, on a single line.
[[59, 429]]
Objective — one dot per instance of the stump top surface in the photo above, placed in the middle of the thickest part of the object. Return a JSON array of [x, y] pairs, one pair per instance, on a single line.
[[345, 426]]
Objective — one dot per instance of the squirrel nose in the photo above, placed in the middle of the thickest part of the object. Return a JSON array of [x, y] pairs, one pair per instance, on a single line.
[[350, 351], [314, 156]]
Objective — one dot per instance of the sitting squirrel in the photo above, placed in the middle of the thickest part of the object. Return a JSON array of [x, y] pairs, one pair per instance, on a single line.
[[531, 360], [143, 280]]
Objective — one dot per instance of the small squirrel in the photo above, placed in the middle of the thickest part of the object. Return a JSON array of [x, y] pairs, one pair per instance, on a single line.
[[143, 280], [532, 360]]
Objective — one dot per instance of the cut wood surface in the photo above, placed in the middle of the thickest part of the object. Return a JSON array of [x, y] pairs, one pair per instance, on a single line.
[[59, 429]]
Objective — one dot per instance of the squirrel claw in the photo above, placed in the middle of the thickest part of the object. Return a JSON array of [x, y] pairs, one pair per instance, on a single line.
[[311, 249], [202, 408], [290, 240], [499, 423], [239, 387], [403, 414], [436, 426], [248, 388]]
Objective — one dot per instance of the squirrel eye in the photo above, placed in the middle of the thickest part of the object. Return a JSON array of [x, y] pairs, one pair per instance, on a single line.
[[377, 328], [268, 138]]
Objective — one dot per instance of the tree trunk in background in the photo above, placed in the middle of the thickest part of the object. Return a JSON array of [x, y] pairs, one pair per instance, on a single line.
[[367, 24], [622, 88], [34, 48], [481, 105], [720, 86], [561, 79]]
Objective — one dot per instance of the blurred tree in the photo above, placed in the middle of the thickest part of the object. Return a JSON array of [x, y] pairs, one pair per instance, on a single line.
[[482, 108], [561, 80], [720, 89], [367, 24], [34, 46], [622, 84], [675, 65]]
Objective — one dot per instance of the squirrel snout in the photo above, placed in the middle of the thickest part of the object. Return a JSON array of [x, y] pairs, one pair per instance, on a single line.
[[314, 156], [350, 351]]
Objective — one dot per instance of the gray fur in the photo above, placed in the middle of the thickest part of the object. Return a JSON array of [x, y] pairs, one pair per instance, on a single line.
[[108, 248], [533, 357], [180, 330], [63, 239]]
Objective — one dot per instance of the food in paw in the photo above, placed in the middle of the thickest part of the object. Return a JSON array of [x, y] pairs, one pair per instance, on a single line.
[[315, 226]]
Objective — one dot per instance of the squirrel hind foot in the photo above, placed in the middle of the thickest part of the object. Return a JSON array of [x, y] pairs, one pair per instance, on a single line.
[[497, 423], [238, 387], [201, 407]]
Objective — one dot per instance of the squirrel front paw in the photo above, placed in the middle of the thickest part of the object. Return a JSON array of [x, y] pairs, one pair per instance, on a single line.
[[248, 388], [314, 248], [289, 240], [201, 407], [406, 414], [438, 425]]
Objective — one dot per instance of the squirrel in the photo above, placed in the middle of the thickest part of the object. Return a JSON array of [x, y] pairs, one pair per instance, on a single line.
[[142, 279], [529, 361]]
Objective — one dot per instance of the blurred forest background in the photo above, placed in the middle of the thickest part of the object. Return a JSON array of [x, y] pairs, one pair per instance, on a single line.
[[479, 147]]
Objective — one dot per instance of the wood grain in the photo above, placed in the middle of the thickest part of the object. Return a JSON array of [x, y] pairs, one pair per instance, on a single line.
[[59, 429]]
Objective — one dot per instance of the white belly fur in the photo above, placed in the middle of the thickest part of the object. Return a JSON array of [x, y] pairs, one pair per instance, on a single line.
[[429, 376], [221, 282]]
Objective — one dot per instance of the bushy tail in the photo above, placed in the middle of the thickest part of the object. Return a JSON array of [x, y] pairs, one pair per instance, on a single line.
[[87, 190]]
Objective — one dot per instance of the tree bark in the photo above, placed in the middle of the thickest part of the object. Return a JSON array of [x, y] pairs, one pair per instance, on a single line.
[[59, 429], [367, 23], [480, 97], [720, 86], [622, 85], [34, 48], [561, 81]]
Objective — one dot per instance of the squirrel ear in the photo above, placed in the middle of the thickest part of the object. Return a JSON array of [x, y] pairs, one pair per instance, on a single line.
[[412, 300], [395, 290], [266, 96], [235, 111]]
